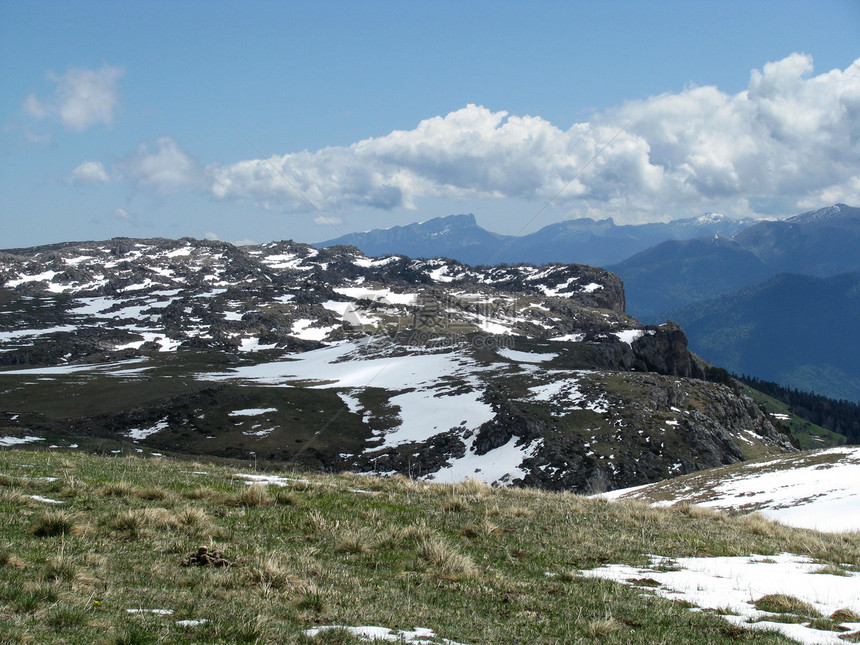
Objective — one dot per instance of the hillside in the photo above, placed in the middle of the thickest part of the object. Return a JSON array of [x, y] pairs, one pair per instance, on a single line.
[[799, 331], [815, 490], [114, 550], [521, 375], [675, 274]]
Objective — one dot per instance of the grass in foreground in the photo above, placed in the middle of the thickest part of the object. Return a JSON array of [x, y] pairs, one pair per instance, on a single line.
[[465, 560]]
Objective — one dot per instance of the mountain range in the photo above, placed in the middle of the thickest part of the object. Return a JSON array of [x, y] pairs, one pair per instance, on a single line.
[[579, 241], [822, 243], [335, 360]]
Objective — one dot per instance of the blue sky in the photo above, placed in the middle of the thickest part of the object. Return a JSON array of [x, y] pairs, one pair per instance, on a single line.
[[300, 120]]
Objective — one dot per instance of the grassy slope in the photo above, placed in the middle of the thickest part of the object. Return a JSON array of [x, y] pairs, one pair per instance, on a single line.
[[465, 560], [809, 435]]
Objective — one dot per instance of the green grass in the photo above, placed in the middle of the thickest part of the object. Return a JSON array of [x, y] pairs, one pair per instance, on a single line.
[[465, 560], [809, 435]]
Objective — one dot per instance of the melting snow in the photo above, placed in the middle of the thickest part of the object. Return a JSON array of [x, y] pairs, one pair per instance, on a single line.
[[46, 500], [142, 433], [254, 345], [302, 329], [251, 412], [13, 441], [384, 296], [192, 622], [374, 262], [418, 636], [20, 333], [500, 465], [525, 357], [735, 582], [22, 278], [818, 490], [629, 335], [570, 338], [424, 414]]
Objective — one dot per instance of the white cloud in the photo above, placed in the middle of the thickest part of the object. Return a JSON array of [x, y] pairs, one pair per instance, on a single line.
[[83, 98], [790, 137], [164, 166], [121, 213], [212, 237], [90, 172]]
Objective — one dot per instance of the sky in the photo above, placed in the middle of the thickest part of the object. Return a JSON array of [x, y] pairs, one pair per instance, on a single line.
[[260, 121]]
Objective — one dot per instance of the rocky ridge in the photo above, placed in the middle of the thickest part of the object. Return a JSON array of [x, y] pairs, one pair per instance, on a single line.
[[513, 374]]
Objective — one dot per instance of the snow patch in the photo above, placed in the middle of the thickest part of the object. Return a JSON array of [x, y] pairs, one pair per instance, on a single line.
[[525, 357], [251, 412], [735, 582], [142, 433], [14, 441], [629, 335], [418, 635]]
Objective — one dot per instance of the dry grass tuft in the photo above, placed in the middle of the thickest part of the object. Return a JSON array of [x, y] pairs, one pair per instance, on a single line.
[[254, 495], [249, 497], [485, 528], [270, 573], [137, 522], [286, 498], [832, 570], [8, 559], [56, 523], [602, 627], [471, 486], [410, 533], [117, 489], [15, 497], [780, 603], [446, 559], [845, 616], [315, 522], [693, 510], [758, 524], [151, 493], [352, 540], [61, 569], [202, 493], [455, 505]]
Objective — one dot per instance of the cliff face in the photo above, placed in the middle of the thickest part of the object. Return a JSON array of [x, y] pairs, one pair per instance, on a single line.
[[513, 374]]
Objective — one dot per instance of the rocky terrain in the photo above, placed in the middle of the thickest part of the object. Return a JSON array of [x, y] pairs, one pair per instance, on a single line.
[[511, 374]]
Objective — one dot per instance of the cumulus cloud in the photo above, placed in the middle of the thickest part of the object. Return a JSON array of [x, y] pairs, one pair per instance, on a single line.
[[90, 172], [83, 98], [789, 135], [164, 166]]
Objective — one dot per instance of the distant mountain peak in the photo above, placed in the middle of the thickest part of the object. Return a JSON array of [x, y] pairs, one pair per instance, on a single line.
[[826, 214], [711, 218], [462, 219]]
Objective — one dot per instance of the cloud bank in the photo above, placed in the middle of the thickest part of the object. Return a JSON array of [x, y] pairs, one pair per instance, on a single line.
[[83, 98], [790, 140], [790, 137]]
